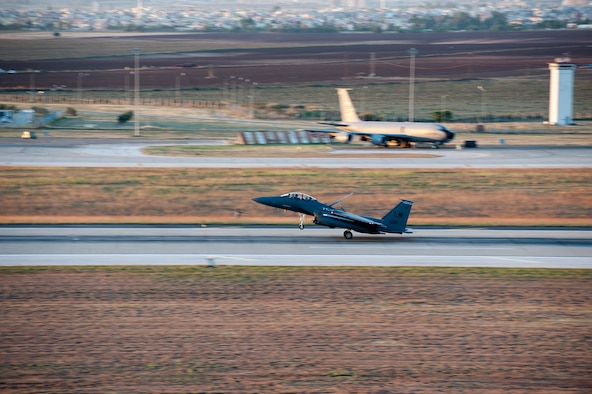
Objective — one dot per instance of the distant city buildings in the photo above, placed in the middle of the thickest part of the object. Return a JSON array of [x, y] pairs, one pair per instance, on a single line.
[[287, 15]]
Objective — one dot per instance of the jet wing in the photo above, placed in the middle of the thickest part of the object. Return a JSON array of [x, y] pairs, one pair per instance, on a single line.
[[337, 124], [322, 131], [342, 215], [390, 136], [336, 131]]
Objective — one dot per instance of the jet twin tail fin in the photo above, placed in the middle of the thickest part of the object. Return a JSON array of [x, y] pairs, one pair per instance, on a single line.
[[396, 219]]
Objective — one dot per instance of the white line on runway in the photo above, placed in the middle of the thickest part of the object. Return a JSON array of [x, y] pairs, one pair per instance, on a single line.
[[396, 247], [521, 260]]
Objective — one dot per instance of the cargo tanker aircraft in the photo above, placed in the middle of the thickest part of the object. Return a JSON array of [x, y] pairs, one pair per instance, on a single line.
[[327, 215], [402, 134]]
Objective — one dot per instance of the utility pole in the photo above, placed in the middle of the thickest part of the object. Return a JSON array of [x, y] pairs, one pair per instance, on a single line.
[[483, 111], [372, 73], [80, 75], [252, 101], [178, 87], [136, 53], [412, 52]]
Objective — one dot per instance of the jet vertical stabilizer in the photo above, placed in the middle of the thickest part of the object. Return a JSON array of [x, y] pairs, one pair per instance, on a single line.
[[348, 111], [396, 219]]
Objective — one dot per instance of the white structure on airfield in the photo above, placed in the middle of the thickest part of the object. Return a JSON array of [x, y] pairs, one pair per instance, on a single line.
[[561, 92]]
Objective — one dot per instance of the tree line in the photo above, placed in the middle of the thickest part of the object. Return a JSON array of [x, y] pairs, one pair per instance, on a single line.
[[497, 21]]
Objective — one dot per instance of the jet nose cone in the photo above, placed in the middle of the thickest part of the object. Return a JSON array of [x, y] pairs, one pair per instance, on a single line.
[[271, 201], [263, 200]]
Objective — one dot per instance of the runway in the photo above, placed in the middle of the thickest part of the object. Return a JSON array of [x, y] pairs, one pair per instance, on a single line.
[[81, 153], [314, 246]]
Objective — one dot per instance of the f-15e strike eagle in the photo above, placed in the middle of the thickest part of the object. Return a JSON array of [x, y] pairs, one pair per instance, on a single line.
[[326, 215], [402, 134]]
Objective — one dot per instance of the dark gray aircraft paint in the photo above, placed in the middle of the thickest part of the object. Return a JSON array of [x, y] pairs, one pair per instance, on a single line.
[[394, 221]]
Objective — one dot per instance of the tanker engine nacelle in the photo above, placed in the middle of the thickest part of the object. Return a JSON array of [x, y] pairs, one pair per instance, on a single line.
[[344, 138], [378, 139]]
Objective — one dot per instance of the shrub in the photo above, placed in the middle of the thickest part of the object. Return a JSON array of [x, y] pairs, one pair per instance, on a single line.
[[40, 111], [9, 107], [124, 117], [439, 116]]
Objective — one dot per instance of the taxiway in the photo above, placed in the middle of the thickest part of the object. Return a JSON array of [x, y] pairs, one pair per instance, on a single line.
[[81, 153]]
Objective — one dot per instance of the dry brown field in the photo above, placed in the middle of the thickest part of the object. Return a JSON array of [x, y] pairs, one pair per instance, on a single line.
[[294, 330], [522, 197], [281, 58]]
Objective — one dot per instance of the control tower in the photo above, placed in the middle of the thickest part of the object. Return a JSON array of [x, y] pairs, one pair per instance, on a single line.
[[561, 92]]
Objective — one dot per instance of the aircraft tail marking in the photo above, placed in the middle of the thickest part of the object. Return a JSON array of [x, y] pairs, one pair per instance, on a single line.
[[396, 219], [346, 107]]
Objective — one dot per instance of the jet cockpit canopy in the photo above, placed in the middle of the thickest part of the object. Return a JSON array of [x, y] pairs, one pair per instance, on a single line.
[[299, 196]]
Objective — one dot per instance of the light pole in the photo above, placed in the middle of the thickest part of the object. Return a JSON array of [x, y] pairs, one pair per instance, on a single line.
[[32, 85], [364, 88], [128, 98], [232, 91], [245, 92], [80, 75], [225, 91], [178, 87], [239, 92], [412, 52], [483, 91], [252, 101], [136, 53], [443, 107]]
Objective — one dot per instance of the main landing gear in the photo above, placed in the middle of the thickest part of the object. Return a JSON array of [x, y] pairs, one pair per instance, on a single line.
[[348, 234]]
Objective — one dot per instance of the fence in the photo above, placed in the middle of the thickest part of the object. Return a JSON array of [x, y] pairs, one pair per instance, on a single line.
[[245, 111], [48, 99]]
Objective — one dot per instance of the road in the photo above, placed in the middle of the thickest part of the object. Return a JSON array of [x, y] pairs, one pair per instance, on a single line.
[[162, 245], [81, 153]]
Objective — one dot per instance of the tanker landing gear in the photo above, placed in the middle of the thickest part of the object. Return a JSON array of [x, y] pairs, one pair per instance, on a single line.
[[348, 234]]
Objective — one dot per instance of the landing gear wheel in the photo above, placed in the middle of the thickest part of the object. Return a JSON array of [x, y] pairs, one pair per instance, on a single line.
[[301, 226], [348, 234]]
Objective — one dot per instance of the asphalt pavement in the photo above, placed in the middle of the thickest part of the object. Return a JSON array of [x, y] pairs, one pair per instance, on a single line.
[[313, 246], [127, 153]]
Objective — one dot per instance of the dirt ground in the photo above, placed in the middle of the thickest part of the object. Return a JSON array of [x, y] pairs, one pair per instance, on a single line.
[[289, 330], [293, 59]]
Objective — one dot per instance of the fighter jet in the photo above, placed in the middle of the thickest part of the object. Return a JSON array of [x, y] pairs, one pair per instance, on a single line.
[[402, 134], [327, 215]]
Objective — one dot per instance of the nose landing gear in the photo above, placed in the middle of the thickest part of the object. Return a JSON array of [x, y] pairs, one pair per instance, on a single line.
[[301, 225], [348, 234]]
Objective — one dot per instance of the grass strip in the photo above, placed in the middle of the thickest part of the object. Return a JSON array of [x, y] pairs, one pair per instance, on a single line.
[[558, 197], [250, 273]]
